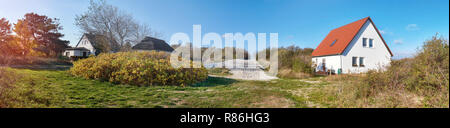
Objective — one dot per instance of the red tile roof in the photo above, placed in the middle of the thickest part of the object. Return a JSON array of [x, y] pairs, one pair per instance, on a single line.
[[343, 36]]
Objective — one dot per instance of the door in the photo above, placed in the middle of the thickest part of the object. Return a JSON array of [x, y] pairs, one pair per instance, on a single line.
[[84, 54], [324, 65]]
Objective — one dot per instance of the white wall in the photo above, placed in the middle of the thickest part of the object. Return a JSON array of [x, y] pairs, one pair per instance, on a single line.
[[75, 53], [71, 53], [331, 62], [374, 58], [84, 42]]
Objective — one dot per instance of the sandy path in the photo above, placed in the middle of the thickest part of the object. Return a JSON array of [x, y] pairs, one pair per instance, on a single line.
[[250, 70]]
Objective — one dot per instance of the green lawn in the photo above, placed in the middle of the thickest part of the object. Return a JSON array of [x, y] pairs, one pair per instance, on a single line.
[[51, 88], [47, 88]]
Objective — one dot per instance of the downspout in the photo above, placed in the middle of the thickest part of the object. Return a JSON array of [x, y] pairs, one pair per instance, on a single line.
[[342, 70]]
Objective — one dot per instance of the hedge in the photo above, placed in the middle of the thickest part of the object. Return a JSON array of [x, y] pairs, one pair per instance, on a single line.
[[137, 68]]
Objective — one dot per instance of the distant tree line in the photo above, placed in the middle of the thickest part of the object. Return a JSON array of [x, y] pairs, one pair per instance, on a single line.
[[235, 51], [293, 61]]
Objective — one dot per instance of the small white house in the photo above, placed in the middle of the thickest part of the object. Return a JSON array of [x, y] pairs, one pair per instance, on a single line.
[[353, 48], [77, 52], [87, 45]]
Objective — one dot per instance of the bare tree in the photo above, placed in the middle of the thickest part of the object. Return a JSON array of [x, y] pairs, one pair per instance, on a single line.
[[108, 20], [141, 31]]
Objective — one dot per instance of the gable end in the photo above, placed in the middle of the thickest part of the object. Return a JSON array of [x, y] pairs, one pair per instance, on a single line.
[[339, 39]]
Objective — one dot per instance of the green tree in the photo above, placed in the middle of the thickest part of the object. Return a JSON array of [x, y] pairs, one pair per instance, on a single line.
[[431, 66], [39, 35], [5, 36]]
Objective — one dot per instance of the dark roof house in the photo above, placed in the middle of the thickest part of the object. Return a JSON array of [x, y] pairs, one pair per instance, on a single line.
[[150, 43]]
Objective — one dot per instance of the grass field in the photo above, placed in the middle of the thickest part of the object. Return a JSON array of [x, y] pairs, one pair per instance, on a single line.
[[53, 88], [47, 88]]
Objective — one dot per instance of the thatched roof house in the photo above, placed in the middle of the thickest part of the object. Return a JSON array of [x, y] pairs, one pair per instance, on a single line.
[[150, 43]]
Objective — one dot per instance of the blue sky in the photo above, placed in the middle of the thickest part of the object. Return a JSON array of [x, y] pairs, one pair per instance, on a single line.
[[405, 24]]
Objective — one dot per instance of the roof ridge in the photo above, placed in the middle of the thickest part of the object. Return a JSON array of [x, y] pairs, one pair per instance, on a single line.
[[366, 18]]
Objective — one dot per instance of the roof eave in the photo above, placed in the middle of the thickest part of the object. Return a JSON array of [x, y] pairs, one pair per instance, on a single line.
[[327, 55], [80, 40]]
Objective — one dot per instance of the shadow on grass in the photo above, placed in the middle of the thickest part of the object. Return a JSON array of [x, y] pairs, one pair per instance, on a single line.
[[43, 67], [215, 81]]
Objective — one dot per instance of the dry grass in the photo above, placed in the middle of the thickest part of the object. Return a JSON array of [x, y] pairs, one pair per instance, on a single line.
[[273, 102], [288, 73], [349, 91]]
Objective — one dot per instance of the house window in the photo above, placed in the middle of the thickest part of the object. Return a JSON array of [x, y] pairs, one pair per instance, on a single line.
[[361, 61], [67, 53], [354, 61], [364, 42], [371, 43]]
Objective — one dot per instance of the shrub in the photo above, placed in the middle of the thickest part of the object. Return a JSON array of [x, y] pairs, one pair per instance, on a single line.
[[137, 68], [426, 74], [429, 69], [295, 62], [397, 76], [219, 71]]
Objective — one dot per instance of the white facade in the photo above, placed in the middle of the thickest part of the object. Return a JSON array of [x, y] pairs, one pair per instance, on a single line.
[[84, 42], [76, 52], [330, 62], [376, 57], [69, 53]]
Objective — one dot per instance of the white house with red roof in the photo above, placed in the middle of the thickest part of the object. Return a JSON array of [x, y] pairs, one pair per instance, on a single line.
[[353, 48]]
